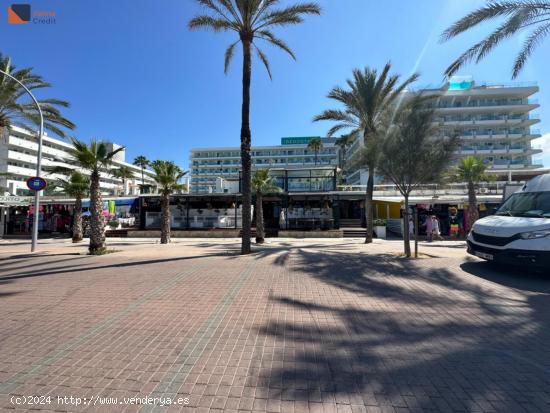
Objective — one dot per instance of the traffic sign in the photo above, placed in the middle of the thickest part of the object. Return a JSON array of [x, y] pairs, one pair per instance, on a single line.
[[36, 183]]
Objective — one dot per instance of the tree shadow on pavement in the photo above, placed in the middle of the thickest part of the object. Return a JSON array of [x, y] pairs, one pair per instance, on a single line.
[[419, 335]]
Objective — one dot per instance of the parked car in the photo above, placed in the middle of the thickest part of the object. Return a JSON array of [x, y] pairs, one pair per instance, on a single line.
[[519, 232]]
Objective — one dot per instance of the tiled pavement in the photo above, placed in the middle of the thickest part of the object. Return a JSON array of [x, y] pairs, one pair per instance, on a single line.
[[309, 327]]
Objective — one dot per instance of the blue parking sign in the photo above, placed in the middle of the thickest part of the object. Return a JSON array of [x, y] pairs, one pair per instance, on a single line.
[[36, 183]]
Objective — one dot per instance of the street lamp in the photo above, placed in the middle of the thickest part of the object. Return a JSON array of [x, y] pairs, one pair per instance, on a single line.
[[38, 162]]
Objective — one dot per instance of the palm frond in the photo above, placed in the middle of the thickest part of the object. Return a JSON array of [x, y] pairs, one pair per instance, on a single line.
[[288, 15], [492, 10], [519, 14], [271, 38], [209, 22], [229, 56], [264, 60], [528, 46]]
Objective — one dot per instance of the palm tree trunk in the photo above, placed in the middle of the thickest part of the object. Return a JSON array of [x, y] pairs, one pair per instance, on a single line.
[[473, 214], [246, 138], [97, 233], [260, 232], [315, 157], [77, 220], [142, 177], [368, 206], [406, 237], [165, 227]]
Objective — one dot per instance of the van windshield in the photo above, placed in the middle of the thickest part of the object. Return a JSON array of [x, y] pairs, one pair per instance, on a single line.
[[527, 204]]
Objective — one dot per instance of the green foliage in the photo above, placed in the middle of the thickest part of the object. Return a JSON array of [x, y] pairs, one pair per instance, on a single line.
[[123, 172], [262, 183], [253, 21], [94, 156], [470, 169], [113, 224], [76, 185], [16, 108], [412, 154], [379, 222], [367, 98], [517, 15], [141, 161], [315, 144], [167, 176]]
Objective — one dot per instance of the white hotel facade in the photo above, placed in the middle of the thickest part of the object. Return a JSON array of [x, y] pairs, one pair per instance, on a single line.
[[18, 158], [209, 165], [494, 122]]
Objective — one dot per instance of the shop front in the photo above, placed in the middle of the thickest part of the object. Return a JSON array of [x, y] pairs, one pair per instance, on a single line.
[[450, 212], [197, 212], [18, 215], [308, 212]]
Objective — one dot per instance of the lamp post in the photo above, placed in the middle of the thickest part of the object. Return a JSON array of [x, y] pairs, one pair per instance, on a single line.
[[38, 162]]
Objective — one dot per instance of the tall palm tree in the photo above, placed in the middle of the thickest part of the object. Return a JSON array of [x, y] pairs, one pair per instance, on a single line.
[[517, 15], [94, 157], [252, 21], [471, 170], [315, 145], [369, 96], [143, 163], [123, 173], [14, 111], [262, 184], [167, 177], [76, 185], [343, 142]]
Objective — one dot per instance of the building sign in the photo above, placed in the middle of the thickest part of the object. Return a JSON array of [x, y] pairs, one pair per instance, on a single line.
[[15, 200], [304, 140], [461, 83]]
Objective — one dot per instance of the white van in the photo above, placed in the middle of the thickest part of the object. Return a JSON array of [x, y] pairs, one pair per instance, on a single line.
[[519, 232]]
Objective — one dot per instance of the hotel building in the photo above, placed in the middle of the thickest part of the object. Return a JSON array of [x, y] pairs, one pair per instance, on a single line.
[[494, 122], [18, 157], [210, 165]]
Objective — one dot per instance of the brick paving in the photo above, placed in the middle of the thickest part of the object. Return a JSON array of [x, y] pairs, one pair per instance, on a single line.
[[304, 326]]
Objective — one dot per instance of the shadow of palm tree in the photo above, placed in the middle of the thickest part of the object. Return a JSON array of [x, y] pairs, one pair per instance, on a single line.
[[419, 335]]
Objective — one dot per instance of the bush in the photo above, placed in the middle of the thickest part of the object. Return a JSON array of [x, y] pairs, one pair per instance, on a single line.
[[379, 222], [113, 224]]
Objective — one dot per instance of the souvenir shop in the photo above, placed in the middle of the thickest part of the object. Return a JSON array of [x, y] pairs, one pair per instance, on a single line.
[[452, 214], [53, 219], [56, 214]]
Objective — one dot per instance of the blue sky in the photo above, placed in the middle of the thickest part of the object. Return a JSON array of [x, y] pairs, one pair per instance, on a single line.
[[136, 75]]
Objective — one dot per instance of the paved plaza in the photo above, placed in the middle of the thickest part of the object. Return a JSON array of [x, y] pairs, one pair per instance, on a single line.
[[298, 326]]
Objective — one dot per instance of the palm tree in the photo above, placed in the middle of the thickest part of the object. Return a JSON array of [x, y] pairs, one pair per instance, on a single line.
[[143, 163], [167, 177], [252, 21], [343, 142], [76, 185], [262, 184], [413, 154], [471, 170], [518, 15], [95, 157], [123, 173], [315, 145], [370, 94], [15, 112]]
